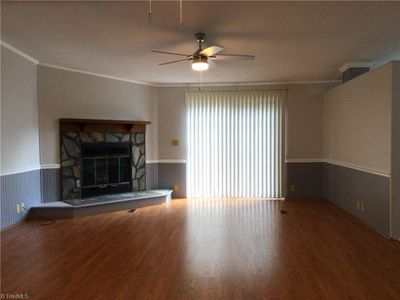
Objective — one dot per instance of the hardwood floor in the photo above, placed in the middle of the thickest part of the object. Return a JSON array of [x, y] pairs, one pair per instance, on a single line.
[[214, 249]]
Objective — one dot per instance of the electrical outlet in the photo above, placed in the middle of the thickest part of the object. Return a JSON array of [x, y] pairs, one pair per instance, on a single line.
[[292, 187], [176, 188], [22, 205], [362, 206], [18, 208], [175, 142]]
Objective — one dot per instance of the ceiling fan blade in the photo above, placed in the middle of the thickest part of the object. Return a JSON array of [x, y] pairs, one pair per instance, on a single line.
[[234, 57], [211, 63], [171, 53], [174, 61], [210, 51]]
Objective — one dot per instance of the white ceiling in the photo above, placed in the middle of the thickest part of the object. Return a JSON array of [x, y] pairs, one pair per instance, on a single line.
[[292, 41]]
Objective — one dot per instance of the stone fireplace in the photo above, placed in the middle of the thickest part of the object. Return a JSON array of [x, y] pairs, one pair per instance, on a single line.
[[101, 157]]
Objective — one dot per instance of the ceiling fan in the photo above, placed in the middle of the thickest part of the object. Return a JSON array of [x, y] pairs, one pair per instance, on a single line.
[[203, 58]]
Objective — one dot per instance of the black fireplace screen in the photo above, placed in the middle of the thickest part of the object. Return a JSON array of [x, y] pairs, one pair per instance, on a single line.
[[106, 168]]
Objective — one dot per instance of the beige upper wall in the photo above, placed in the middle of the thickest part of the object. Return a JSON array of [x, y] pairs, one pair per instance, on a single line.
[[19, 113], [304, 119], [66, 94], [70, 94], [357, 125], [171, 122]]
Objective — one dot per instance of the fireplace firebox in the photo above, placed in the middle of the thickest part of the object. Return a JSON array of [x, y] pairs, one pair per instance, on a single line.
[[106, 169]]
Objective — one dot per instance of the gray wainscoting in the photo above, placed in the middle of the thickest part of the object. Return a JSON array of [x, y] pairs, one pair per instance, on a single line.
[[50, 184], [345, 186], [16, 189], [307, 179], [151, 176], [170, 174]]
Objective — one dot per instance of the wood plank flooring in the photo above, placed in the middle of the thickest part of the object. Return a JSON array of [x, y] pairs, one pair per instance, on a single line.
[[210, 249]]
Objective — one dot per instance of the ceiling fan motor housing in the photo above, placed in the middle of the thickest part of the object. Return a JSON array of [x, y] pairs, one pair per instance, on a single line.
[[200, 59]]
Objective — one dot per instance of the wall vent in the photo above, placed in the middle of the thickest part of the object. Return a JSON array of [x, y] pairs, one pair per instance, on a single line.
[[352, 70]]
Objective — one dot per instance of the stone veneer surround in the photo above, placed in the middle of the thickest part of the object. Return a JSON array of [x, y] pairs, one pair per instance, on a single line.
[[70, 145]]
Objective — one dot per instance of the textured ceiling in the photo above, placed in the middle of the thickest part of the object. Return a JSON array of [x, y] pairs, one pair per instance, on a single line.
[[292, 41]]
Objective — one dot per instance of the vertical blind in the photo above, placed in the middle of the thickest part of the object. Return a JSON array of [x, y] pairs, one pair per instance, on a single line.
[[235, 144]]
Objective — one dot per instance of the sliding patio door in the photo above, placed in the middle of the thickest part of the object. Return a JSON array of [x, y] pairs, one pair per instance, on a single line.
[[235, 144]]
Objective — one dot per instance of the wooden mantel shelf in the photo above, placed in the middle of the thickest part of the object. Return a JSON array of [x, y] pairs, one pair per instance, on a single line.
[[79, 125]]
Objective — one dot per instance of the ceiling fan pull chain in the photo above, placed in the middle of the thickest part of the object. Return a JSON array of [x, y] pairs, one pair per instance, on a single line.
[[150, 10], [181, 14]]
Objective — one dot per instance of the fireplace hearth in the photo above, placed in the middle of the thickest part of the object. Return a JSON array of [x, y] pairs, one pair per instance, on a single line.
[[101, 157]]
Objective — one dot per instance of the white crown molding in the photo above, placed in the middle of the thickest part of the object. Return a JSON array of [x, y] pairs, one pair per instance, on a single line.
[[355, 64], [19, 52], [94, 74], [304, 160], [161, 85], [384, 61], [19, 171], [189, 84]]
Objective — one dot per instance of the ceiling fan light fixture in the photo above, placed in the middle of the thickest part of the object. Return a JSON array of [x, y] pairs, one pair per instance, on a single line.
[[200, 64]]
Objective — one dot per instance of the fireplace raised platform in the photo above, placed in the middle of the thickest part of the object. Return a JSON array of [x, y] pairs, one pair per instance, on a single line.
[[101, 204]]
